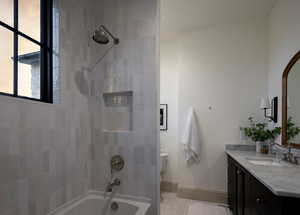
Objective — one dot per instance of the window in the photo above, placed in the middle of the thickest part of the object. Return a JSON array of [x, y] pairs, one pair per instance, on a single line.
[[26, 49]]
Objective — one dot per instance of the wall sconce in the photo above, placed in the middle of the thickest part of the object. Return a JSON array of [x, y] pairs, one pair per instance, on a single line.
[[270, 110], [288, 103]]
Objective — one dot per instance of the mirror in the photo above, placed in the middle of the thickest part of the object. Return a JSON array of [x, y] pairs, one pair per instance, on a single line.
[[291, 103], [274, 110]]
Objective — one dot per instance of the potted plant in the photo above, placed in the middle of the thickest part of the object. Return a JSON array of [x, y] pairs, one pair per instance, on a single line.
[[260, 134], [292, 130]]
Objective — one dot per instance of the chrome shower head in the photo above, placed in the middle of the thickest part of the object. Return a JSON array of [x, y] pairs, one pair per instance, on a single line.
[[102, 36]]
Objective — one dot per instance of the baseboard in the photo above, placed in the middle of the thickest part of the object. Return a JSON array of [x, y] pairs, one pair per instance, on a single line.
[[167, 186], [202, 195]]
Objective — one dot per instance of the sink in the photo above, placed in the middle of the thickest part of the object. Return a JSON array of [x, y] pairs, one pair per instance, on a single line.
[[267, 162]]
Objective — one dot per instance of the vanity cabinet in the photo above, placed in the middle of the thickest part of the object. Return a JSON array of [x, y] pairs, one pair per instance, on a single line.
[[236, 185], [240, 191], [232, 188], [247, 196]]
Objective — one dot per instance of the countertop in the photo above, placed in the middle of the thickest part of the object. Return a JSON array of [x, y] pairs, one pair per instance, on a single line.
[[282, 181]]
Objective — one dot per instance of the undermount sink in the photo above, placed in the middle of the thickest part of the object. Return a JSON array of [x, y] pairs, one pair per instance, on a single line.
[[267, 162]]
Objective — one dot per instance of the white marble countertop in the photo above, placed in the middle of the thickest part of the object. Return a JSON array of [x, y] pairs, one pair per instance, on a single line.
[[282, 181]]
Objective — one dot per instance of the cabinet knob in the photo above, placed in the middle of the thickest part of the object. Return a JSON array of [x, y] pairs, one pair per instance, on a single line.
[[238, 172], [258, 201]]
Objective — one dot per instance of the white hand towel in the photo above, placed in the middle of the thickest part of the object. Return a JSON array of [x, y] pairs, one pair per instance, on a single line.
[[190, 138]]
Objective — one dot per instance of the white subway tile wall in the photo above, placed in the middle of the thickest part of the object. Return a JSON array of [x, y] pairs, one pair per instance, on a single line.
[[50, 154]]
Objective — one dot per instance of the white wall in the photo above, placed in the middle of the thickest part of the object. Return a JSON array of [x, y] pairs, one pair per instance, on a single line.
[[223, 67], [169, 95], [284, 42]]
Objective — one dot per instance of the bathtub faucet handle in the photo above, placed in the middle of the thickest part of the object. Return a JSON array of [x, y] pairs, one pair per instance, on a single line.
[[112, 184], [116, 182]]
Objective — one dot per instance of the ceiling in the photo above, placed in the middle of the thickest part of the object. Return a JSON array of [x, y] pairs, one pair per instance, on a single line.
[[182, 15]]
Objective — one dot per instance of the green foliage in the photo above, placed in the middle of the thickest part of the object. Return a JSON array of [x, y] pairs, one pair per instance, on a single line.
[[260, 132], [292, 129]]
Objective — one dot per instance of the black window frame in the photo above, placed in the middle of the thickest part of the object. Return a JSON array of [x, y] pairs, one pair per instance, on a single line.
[[46, 50]]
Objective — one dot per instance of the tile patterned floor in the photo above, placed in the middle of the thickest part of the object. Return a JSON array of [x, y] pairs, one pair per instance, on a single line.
[[172, 205]]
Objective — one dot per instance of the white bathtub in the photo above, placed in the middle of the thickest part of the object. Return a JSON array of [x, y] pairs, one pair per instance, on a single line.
[[96, 204]]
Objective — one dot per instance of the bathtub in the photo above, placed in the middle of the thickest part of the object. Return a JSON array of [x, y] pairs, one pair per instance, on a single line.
[[96, 204]]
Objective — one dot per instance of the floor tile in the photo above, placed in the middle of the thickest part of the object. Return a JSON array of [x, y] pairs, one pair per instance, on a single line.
[[172, 205]]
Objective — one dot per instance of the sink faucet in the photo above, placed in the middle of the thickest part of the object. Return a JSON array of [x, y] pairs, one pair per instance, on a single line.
[[291, 157], [112, 184], [288, 154]]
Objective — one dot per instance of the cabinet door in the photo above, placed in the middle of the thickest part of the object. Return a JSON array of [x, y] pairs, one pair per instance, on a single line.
[[240, 191], [266, 203], [249, 199], [290, 205], [232, 186], [247, 196]]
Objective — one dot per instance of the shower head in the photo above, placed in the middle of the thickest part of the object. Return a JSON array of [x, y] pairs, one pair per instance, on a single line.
[[102, 36]]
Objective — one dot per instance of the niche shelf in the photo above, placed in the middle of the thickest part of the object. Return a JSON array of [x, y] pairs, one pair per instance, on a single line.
[[117, 111]]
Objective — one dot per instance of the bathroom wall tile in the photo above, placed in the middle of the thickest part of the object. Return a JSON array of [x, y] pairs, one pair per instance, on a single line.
[[9, 115], [60, 151], [46, 161], [42, 205], [22, 197], [132, 67], [41, 143], [139, 155], [8, 198]]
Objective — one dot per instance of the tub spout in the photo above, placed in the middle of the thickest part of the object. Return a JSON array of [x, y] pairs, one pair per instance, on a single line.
[[112, 184]]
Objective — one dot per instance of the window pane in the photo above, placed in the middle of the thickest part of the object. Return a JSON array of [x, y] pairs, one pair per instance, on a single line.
[[28, 69], [6, 61], [29, 18], [7, 11]]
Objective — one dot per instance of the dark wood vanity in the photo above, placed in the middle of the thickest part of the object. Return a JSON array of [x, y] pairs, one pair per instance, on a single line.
[[247, 196], [266, 190]]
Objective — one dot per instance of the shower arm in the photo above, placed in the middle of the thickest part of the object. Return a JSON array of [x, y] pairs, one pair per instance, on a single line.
[[100, 58], [116, 40]]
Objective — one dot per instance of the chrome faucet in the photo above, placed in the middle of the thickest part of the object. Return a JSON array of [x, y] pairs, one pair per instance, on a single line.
[[288, 154], [291, 157], [112, 184]]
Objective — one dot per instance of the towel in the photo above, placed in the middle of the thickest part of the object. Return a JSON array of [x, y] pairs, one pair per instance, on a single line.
[[190, 138]]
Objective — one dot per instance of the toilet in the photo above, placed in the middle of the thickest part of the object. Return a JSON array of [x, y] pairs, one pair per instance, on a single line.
[[163, 164], [163, 167]]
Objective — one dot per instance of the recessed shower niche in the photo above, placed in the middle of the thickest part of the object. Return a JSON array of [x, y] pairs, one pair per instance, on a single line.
[[117, 111]]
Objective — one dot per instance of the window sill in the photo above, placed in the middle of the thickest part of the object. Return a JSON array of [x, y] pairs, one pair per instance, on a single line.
[[22, 99]]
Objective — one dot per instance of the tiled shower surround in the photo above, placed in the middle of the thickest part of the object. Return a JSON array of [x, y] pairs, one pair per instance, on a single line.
[[52, 153]]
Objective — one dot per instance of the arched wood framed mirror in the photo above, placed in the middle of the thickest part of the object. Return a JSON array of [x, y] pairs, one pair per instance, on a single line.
[[291, 103]]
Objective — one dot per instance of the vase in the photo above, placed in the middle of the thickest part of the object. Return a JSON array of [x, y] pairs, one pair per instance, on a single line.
[[262, 147], [258, 146]]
